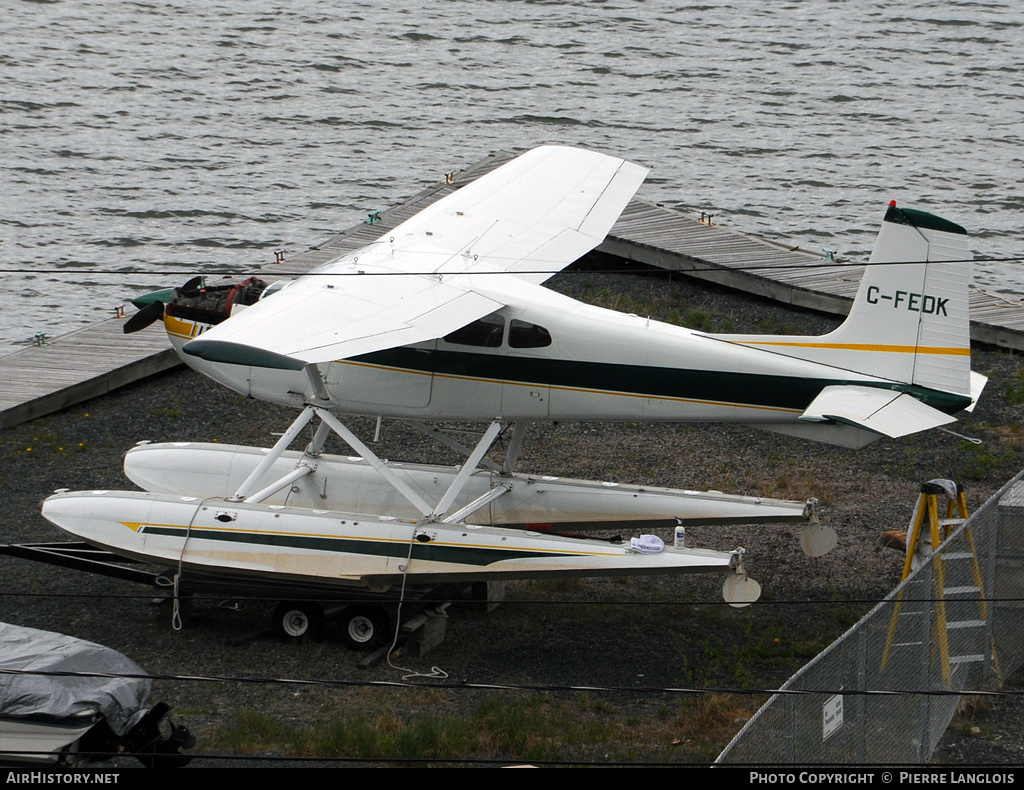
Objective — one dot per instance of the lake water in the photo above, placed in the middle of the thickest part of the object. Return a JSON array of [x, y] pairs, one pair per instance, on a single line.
[[143, 142]]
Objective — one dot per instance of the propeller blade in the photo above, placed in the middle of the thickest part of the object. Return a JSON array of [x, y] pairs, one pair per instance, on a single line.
[[154, 311], [192, 287]]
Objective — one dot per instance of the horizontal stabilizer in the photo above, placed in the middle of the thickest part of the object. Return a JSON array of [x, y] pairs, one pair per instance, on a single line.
[[978, 383], [882, 411]]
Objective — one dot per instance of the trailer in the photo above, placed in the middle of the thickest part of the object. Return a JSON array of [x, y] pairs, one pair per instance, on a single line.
[[366, 618]]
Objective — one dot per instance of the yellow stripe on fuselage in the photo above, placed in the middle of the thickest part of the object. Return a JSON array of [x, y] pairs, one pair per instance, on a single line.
[[186, 330], [888, 349]]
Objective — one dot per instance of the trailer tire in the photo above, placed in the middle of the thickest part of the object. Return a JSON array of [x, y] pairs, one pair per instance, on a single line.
[[364, 627], [298, 621]]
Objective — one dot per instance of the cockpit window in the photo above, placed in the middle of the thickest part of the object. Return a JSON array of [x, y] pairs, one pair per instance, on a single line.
[[524, 335], [280, 285], [486, 333]]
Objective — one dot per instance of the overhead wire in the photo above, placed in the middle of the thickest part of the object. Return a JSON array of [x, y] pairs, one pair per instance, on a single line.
[[465, 685], [526, 687], [710, 267], [315, 762], [831, 264], [255, 599]]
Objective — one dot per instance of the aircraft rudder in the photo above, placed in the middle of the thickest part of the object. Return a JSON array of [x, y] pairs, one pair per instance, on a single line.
[[911, 310]]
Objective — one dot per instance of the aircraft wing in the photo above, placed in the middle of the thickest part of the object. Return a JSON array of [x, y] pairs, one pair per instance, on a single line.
[[883, 411], [528, 219]]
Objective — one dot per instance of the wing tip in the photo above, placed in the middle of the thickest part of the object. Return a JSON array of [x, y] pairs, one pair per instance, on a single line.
[[240, 354]]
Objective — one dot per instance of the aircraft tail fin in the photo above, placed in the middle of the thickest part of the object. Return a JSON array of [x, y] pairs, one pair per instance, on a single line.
[[909, 322], [911, 312]]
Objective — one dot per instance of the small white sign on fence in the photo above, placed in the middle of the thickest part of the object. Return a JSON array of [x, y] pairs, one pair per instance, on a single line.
[[832, 716]]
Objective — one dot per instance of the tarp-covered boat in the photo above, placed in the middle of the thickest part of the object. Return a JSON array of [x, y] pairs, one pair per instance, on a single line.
[[63, 699]]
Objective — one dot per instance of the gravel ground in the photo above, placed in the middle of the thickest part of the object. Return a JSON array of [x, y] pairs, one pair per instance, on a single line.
[[642, 632]]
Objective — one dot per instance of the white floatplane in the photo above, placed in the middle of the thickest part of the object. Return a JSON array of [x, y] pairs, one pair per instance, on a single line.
[[445, 318]]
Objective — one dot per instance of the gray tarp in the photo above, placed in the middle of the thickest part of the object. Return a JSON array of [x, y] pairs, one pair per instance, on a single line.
[[26, 650]]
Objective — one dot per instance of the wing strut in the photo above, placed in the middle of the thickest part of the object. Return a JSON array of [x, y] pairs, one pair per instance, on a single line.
[[250, 491], [515, 444], [289, 436], [467, 469], [452, 444], [378, 465], [476, 504]]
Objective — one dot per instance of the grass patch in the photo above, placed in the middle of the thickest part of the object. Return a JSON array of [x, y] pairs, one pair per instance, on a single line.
[[524, 728], [699, 320], [1015, 390], [706, 723], [980, 461]]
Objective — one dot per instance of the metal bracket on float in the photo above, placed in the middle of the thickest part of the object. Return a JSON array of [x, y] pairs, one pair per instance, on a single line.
[[739, 590]]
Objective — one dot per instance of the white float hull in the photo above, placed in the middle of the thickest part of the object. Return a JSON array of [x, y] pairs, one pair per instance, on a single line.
[[220, 537], [533, 501], [39, 741]]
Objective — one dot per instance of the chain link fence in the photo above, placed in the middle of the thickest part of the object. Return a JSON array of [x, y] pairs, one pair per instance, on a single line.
[[886, 691]]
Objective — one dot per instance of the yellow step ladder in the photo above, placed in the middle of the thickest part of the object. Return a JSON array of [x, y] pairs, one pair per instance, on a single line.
[[919, 544]]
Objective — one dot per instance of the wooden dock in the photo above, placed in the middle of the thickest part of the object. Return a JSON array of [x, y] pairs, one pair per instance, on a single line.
[[99, 358], [663, 237]]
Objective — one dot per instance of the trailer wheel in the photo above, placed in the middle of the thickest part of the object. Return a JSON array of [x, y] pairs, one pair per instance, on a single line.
[[364, 627], [298, 621]]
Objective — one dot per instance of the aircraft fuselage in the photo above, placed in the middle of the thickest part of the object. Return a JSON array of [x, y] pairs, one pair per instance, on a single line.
[[550, 357]]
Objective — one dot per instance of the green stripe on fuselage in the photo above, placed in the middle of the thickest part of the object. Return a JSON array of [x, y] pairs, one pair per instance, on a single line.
[[753, 389], [461, 555]]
